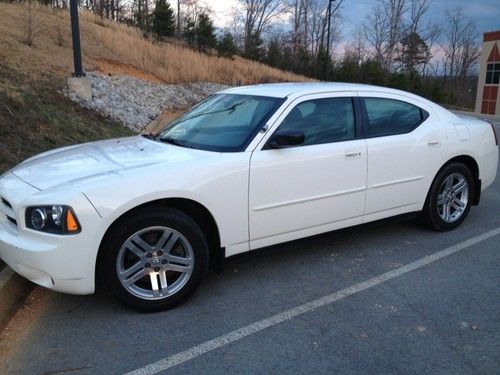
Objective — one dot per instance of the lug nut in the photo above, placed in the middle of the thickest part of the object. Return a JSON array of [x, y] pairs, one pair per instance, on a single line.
[[157, 269], [164, 261], [149, 255], [159, 253], [147, 265]]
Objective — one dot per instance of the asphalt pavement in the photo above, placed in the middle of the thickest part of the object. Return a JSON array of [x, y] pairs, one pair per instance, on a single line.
[[388, 297]]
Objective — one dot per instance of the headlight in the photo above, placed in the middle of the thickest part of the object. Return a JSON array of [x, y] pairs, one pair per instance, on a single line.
[[55, 219]]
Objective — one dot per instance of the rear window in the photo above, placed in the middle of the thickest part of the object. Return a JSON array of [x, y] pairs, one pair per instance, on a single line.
[[390, 117]]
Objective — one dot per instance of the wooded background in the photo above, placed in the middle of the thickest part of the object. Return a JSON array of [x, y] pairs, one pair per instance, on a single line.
[[396, 45]]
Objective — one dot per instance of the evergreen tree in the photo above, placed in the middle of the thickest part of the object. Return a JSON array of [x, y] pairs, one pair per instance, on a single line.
[[287, 58], [138, 14], [226, 47], [412, 52], [189, 33], [274, 54], [303, 61], [372, 72], [323, 61], [253, 47], [205, 33], [349, 69], [163, 20]]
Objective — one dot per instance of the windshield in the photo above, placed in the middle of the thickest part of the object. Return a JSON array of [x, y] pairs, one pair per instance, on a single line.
[[222, 122]]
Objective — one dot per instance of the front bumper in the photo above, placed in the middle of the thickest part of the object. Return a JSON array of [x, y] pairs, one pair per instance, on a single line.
[[62, 263]]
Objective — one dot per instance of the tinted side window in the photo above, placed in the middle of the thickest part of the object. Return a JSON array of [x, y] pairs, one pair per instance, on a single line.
[[388, 116], [322, 120]]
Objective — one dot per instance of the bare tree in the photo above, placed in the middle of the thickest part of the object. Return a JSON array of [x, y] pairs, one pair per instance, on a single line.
[[384, 28], [431, 37], [309, 19], [422, 37], [192, 9], [460, 46], [417, 11], [395, 9], [462, 51], [297, 7], [357, 50], [258, 14], [375, 32], [334, 25]]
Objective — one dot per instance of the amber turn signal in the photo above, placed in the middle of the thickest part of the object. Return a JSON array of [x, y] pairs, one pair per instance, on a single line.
[[71, 223]]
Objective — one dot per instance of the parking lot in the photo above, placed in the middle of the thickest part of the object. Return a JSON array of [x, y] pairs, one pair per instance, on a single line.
[[387, 297]]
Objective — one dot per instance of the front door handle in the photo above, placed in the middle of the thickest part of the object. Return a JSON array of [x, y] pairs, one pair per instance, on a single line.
[[352, 154], [433, 142]]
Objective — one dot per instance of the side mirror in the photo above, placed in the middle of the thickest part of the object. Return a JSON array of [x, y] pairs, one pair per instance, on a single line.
[[286, 138]]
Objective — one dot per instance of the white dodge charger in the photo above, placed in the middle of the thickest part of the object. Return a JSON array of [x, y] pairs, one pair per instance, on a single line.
[[246, 168]]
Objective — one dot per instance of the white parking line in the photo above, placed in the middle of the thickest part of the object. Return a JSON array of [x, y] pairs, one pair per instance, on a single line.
[[250, 329]]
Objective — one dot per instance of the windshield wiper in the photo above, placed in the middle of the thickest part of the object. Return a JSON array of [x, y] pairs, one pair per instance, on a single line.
[[171, 141], [229, 109], [164, 140], [149, 136]]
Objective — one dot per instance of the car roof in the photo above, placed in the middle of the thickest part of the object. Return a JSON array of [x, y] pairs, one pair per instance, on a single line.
[[294, 90], [283, 90]]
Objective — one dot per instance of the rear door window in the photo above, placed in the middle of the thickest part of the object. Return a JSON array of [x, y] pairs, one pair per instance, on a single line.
[[390, 117]]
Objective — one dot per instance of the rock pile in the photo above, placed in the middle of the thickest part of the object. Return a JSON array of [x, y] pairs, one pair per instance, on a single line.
[[135, 102]]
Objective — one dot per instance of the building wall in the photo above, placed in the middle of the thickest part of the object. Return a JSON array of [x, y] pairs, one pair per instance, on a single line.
[[488, 92]]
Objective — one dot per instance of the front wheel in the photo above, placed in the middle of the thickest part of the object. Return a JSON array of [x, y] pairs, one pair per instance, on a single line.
[[449, 199], [154, 259]]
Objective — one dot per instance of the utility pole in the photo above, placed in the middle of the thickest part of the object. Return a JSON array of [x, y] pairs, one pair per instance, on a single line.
[[78, 83], [328, 38], [75, 34]]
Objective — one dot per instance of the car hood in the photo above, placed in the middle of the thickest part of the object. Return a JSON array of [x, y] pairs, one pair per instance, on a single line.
[[81, 162]]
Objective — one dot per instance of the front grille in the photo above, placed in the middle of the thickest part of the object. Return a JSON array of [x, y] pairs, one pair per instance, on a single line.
[[6, 202], [8, 211]]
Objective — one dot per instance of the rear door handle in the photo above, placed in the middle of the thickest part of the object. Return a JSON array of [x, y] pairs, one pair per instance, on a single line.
[[433, 142], [352, 154]]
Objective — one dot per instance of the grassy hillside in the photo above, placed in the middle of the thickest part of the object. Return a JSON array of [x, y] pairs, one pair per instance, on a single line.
[[34, 116], [107, 45]]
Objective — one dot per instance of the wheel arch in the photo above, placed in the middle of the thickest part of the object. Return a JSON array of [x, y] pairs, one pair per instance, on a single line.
[[473, 166], [195, 210]]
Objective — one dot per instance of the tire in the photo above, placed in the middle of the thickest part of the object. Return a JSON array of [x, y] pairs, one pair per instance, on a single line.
[[154, 259], [449, 199]]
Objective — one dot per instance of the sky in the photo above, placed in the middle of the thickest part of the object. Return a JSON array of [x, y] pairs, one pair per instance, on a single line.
[[486, 12]]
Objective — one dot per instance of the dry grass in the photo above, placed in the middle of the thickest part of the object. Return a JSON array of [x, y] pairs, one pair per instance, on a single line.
[[105, 43], [34, 117]]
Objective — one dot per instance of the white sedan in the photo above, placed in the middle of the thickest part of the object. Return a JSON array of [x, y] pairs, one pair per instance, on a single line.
[[246, 168]]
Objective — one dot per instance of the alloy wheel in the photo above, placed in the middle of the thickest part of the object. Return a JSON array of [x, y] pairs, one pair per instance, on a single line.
[[453, 197], [155, 263]]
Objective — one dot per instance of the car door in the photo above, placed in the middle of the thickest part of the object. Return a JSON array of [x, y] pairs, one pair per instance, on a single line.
[[314, 187], [406, 147]]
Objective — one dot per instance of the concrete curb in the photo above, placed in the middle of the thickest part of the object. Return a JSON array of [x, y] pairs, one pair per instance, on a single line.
[[13, 290]]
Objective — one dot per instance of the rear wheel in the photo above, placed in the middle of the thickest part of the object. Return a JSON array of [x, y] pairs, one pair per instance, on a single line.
[[155, 260], [449, 199]]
